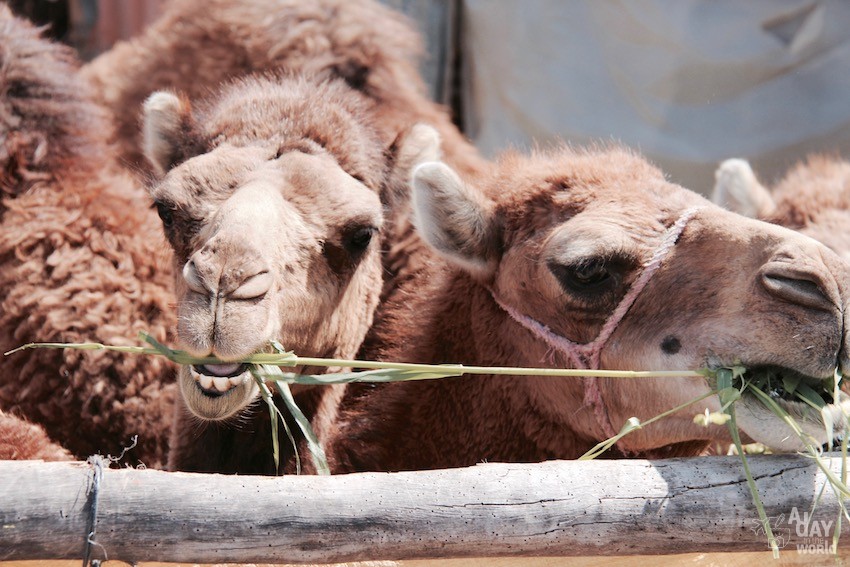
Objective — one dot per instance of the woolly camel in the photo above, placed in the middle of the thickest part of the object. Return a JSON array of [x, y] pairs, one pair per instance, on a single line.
[[270, 194], [589, 259], [199, 44], [813, 198], [79, 261], [20, 440]]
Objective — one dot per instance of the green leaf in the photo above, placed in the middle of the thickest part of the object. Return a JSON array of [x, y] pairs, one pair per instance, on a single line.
[[320, 460], [790, 383], [751, 483], [274, 413], [738, 372], [806, 394], [724, 378], [728, 396]]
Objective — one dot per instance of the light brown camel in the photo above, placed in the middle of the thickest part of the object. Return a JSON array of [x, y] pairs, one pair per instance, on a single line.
[[80, 261], [197, 45], [813, 198], [373, 51], [589, 259], [272, 195]]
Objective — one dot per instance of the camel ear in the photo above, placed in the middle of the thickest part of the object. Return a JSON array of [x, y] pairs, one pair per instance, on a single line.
[[737, 189], [167, 131], [454, 219], [419, 145]]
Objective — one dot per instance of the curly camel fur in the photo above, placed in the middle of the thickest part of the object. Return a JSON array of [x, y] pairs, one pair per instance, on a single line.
[[21, 440], [80, 260]]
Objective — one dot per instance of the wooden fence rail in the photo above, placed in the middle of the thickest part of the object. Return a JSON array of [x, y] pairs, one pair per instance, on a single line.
[[554, 508]]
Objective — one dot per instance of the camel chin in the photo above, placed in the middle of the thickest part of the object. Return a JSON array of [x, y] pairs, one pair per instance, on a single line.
[[217, 392]]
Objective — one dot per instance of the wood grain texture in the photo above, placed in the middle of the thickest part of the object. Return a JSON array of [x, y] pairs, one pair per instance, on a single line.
[[559, 508]]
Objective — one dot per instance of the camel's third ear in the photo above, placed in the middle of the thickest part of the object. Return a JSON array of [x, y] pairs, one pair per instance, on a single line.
[[737, 189], [455, 219], [168, 131]]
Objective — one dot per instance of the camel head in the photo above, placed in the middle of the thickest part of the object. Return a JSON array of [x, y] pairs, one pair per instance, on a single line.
[[270, 196], [813, 198], [593, 259]]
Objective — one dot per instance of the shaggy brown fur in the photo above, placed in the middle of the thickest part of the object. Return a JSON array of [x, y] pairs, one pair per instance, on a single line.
[[41, 108], [20, 440], [80, 260], [561, 237], [199, 44]]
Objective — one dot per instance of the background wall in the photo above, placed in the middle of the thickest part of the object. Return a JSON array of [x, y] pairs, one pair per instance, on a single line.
[[688, 82]]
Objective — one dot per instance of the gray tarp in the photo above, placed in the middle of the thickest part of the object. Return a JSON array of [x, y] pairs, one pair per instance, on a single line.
[[688, 82]]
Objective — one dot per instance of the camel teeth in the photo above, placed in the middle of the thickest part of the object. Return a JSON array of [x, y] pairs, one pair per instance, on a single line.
[[205, 381], [222, 383]]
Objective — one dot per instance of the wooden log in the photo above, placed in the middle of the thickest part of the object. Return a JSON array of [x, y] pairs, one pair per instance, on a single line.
[[562, 508]]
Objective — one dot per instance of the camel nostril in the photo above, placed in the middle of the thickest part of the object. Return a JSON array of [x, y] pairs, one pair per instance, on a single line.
[[796, 287], [253, 287], [194, 279]]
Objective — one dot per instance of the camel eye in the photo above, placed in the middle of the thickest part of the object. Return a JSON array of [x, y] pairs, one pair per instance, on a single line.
[[165, 213], [588, 276], [357, 240], [591, 273]]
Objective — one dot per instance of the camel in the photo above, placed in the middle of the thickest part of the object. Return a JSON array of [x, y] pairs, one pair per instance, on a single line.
[[198, 45], [813, 198], [272, 195], [359, 46], [80, 261], [21, 440], [589, 259]]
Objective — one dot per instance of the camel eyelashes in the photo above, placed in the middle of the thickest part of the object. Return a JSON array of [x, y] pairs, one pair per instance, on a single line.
[[587, 276], [165, 212], [591, 273], [357, 239]]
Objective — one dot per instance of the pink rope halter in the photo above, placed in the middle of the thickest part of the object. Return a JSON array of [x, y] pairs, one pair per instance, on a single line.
[[587, 355]]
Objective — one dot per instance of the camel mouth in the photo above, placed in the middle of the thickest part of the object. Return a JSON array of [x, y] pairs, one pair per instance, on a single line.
[[215, 380], [818, 408], [790, 388]]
